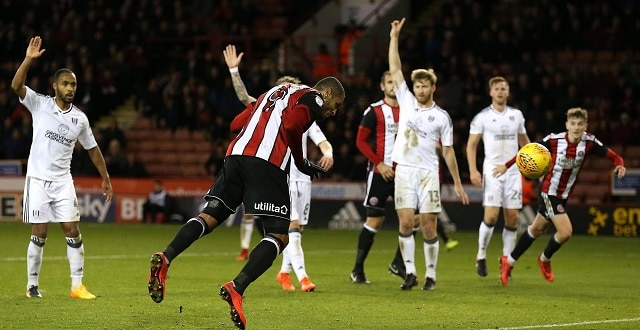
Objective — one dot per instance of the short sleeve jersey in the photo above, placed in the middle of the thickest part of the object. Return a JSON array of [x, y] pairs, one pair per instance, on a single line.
[[419, 131], [55, 132], [315, 133], [499, 132]]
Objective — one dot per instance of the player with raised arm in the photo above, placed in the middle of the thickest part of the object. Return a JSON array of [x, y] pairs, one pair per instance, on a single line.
[[568, 152], [422, 125], [49, 193], [299, 185], [502, 131]]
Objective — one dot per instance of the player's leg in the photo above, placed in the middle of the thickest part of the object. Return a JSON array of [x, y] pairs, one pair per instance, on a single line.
[[511, 203], [263, 185], [492, 202], [222, 200], [300, 208], [406, 200], [378, 191], [431, 247], [284, 277], [429, 206], [246, 230], [35, 211]]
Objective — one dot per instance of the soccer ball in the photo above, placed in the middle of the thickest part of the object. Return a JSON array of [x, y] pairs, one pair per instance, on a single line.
[[533, 160]]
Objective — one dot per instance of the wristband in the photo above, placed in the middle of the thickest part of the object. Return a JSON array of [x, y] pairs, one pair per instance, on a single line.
[[233, 70], [328, 154]]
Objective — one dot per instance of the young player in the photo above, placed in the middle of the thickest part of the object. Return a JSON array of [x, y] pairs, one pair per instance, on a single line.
[[568, 152]]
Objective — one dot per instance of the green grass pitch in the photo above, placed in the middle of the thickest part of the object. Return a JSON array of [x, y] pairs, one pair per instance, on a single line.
[[597, 285]]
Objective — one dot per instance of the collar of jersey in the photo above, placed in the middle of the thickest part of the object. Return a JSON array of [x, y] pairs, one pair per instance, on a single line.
[[429, 108], [58, 109]]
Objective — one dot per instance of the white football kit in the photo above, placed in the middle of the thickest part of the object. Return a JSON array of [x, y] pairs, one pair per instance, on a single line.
[[49, 194], [417, 181], [500, 132]]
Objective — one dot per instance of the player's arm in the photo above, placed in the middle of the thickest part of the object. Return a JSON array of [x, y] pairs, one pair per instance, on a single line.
[[617, 160], [395, 65], [233, 61], [98, 161], [523, 139], [449, 156], [327, 155], [33, 52], [472, 149]]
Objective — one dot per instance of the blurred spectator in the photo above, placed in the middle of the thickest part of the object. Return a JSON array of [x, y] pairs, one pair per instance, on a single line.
[[324, 63], [116, 159], [136, 168], [158, 206], [14, 145], [114, 132], [351, 33]]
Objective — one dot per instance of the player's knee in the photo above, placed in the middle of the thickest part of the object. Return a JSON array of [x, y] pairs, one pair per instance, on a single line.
[[218, 211]]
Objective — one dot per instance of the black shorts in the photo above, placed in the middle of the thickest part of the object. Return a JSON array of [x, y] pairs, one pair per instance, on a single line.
[[378, 191], [260, 185], [549, 206]]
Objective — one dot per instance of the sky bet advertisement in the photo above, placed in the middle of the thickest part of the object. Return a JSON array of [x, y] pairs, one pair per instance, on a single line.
[[333, 205]]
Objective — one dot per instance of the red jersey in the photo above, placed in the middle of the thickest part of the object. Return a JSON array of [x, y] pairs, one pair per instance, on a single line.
[[273, 125], [566, 160], [377, 133]]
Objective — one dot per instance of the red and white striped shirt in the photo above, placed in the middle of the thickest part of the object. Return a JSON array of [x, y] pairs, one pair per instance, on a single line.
[[566, 160], [377, 133], [274, 124]]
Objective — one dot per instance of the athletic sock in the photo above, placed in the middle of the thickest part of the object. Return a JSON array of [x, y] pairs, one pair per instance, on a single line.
[[296, 255], [75, 255], [484, 238], [523, 244], [552, 247], [260, 259], [408, 248], [431, 250], [246, 230], [186, 235], [509, 239], [35, 251], [365, 241]]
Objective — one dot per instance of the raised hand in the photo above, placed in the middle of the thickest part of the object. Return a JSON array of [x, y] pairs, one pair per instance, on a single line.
[[34, 51], [231, 58], [396, 26]]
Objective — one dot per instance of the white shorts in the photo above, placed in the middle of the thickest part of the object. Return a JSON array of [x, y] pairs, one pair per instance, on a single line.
[[505, 191], [300, 192], [49, 201], [418, 189]]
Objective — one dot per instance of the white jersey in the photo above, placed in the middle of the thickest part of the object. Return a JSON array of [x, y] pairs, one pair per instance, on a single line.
[[419, 131], [55, 132], [499, 132], [315, 133]]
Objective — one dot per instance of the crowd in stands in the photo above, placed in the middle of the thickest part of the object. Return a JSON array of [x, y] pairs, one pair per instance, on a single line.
[[183, 82]]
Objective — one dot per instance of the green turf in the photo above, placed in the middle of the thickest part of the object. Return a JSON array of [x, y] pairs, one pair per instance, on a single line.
[[597, 285]]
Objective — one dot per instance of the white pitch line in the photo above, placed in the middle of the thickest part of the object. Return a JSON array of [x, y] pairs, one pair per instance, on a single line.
[[636, 319]]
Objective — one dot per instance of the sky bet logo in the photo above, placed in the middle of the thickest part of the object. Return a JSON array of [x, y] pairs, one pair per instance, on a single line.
[[270, 207]]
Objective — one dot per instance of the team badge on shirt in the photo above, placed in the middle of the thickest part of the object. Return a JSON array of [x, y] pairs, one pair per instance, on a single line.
[[319, 101]]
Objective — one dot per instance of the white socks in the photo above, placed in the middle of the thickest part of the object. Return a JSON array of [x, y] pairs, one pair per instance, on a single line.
[[34, 260], [408, 250], [246, 230], [293, 256], [484, 237], [431, 251]]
